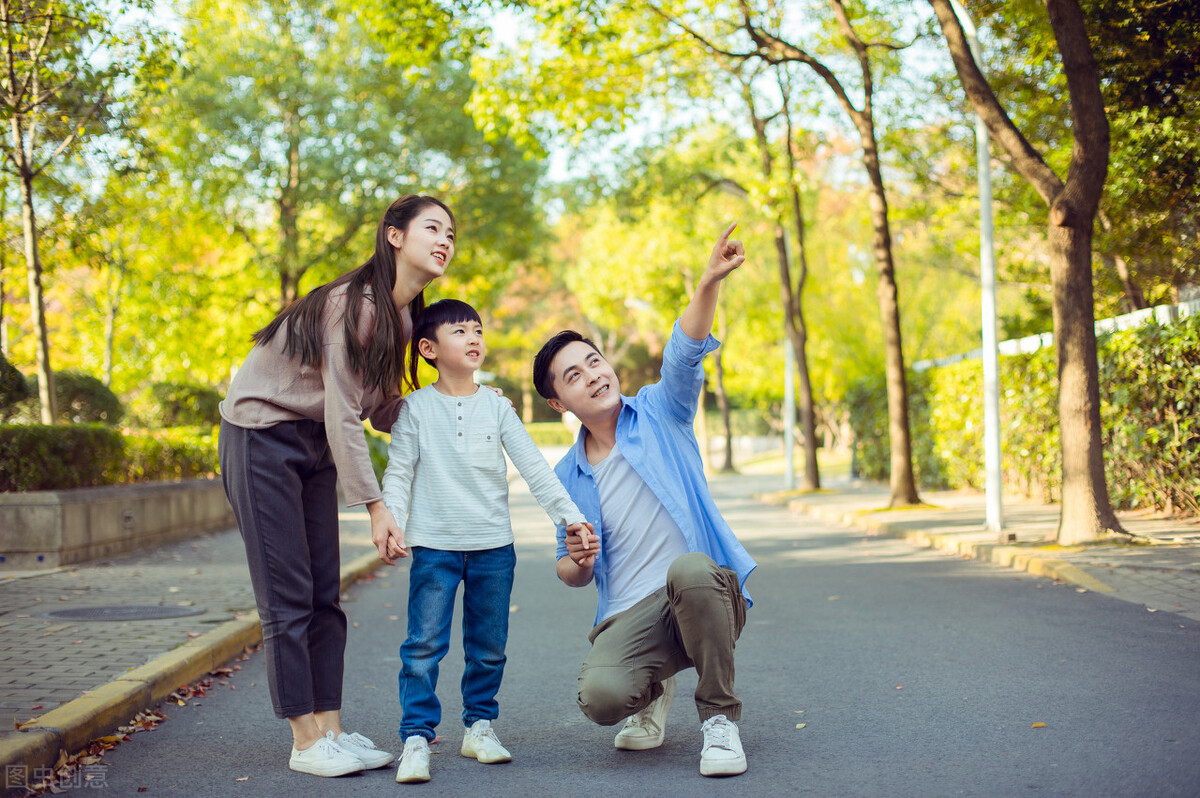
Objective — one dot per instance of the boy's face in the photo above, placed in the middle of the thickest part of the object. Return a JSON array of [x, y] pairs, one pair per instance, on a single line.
[[584, 382], [459, 347]]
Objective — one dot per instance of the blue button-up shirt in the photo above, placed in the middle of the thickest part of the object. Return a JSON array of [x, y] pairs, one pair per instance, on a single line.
[[654, 433]]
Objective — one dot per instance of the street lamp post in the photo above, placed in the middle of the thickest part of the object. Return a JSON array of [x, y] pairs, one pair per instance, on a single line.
[[987, 278]]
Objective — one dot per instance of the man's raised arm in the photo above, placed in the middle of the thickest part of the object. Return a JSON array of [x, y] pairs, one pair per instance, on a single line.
[[697, 319]]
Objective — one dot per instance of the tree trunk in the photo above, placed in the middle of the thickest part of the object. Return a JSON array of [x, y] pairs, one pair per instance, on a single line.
[[1134, 298], [37, 302], [798, 329], [903, 482], [113, 296], [1086, 507], [289, 241]]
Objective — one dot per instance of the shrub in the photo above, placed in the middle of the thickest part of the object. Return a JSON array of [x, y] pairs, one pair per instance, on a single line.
[[80, 399], [1150, 411], [41, 457], [177, 404], [13, 388], [550, 433], [169, 454]]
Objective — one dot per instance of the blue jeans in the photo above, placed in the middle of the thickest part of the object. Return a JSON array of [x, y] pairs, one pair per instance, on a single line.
[[487, 578]]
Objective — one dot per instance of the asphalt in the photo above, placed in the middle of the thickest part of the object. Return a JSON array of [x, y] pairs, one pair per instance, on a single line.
[[67, 682]]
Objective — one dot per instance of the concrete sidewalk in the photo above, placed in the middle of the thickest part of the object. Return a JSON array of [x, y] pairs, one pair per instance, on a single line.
[[68, 682], [1161, 571]]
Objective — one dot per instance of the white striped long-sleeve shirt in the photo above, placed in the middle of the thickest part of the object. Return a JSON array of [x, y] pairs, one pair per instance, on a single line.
[[446, 477]]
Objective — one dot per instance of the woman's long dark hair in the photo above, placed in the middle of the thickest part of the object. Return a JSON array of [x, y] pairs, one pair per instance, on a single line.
[[382, 363]]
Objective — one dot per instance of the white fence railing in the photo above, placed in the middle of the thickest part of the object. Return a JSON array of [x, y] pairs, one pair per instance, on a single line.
[[1162, 314]]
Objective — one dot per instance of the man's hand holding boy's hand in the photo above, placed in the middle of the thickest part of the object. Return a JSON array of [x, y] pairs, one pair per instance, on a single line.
[[582, 544]]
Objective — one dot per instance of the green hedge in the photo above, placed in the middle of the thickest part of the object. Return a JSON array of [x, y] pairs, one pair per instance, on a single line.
[[58, 457], [1150, 395], [38, 457]]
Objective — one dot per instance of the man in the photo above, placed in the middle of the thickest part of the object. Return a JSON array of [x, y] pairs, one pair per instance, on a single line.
[[669, 571]]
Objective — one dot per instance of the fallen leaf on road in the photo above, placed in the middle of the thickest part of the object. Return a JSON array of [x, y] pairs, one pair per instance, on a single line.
[[243, 778], [801, 725], [1038, 725], [1081, 590], [1150, 610]]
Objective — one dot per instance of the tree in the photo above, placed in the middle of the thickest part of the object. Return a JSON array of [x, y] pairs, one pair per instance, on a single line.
[[1086, 509], [67, 63], [296, 116], [774, 49]]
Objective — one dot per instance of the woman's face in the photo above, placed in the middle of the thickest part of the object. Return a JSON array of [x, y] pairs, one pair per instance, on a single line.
[[427, 246]]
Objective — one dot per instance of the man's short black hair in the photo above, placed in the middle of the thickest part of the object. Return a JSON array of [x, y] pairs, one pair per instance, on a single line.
[[543, 380], [444, 311]]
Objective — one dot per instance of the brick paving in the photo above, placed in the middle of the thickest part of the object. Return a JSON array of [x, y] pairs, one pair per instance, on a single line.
[[46, 662]]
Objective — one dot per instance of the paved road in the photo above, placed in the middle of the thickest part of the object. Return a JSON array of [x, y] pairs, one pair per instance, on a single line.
[[913, 672]]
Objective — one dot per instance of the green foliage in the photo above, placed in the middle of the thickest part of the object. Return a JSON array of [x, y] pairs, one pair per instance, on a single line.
[[39, 457], [177, 404], [377, 447], [550, 433], [81, 399], [168, 454], [866, 403], [13, 387], [1150, 390], [64, 456]]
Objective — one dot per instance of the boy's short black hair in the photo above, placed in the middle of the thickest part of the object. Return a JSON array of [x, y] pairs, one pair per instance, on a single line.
[[543, 380], [444, 311]]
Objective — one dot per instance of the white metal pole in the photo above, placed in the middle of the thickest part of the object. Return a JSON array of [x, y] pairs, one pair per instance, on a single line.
[[987, 278], [789, 415]]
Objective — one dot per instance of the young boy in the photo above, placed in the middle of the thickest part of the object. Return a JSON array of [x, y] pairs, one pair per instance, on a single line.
[[446, 485]]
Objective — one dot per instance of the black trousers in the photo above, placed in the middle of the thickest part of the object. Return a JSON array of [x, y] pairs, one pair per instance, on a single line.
[[282, 485]]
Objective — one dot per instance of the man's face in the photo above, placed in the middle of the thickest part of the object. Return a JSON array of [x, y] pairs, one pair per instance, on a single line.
[[584, 382]]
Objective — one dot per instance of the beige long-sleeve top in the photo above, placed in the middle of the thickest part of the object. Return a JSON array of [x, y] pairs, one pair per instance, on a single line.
[[272, 387]]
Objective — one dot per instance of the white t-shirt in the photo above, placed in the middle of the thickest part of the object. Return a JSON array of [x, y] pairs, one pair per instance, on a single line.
[[641, 540]]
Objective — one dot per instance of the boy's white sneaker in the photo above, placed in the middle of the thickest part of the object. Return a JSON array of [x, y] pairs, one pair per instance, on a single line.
[[414, 761], [647, 728], [480, 743], [722, 754], [360, 746], [324, 758]]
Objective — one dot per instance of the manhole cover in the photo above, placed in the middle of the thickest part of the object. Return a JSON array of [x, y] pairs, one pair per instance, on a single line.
[[122, 613]]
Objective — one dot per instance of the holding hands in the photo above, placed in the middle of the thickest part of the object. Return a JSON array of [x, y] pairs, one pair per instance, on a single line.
[[582, 544]]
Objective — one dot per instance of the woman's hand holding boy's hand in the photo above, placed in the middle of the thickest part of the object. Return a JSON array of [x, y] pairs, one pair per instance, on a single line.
[[386, 534]]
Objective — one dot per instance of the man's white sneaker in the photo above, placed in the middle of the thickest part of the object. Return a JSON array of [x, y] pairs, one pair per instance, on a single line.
[[480, 743], [366, 751], [324, 758], [414, 761], [722, 754], [647, 728]]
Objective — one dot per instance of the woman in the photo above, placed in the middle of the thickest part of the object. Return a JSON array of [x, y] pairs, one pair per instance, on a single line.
[[291, 426]]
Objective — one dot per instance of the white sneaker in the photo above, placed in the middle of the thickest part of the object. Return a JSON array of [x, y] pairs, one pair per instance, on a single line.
[[414, 761], [722, 754], [480, 743], [647, 728], [324, 758], [363, 748]]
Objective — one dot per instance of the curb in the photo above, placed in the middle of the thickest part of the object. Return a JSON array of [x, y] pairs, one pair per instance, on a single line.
[[70, 727], [1019, 557]]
